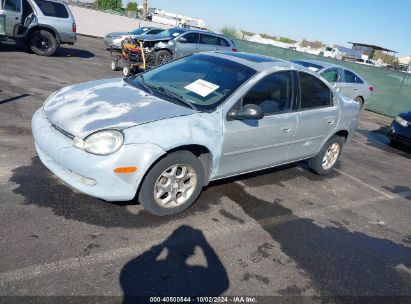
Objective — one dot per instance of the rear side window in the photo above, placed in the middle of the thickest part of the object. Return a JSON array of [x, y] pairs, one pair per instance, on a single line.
[[208, 39], [12, 5], [223, 42], [314, 92], [350, 77], [52, 9], [273, 93]]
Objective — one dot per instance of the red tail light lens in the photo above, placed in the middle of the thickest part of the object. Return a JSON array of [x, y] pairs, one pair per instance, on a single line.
[[73, 28], [234, 50], [371, 88]]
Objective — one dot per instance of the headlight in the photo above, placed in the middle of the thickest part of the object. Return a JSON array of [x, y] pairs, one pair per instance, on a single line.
[[401, 121], [104, 142]]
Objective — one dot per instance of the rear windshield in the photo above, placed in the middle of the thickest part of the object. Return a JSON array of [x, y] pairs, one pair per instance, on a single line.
[[52, 9]]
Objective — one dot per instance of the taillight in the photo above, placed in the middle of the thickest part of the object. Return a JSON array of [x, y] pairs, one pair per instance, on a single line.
[[73, 28], [371, 88], [234, 50]]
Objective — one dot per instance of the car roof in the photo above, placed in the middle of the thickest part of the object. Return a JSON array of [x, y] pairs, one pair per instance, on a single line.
[[186, 30], [323, 64], [260, 62]]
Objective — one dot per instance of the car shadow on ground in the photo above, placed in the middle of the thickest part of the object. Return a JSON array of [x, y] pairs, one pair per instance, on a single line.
[[61, 51], [166, 270]]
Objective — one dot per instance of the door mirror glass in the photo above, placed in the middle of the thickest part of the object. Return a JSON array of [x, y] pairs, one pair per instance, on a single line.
[[249, 111]]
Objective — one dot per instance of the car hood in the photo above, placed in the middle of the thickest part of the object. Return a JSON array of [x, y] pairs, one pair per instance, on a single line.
[[154, 38], [406, 115], [106, 104]]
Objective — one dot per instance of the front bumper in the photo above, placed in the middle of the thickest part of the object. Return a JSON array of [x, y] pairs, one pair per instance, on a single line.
[[400, 133], [75, 166], [113, 43]]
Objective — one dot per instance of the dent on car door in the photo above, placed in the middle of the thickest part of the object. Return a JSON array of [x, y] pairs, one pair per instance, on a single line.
[[318, 115], [253, 144], [12, 10]]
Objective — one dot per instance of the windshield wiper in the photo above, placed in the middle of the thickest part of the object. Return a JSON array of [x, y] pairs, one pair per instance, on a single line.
[[175, 96], [143, 84]]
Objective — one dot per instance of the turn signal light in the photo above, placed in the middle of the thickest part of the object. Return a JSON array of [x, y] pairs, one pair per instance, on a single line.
[[125, 170]]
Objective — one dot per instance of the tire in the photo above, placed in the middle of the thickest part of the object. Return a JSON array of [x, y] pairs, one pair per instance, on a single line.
[[127, 71], [114, 65], [162, 57], [43, 43], [360, 101], [167, 173], [319, 164]]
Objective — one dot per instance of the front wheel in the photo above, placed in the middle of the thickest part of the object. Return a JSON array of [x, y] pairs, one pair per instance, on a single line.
[[173, 184], [162, 57], [326, 159], [43, 43]]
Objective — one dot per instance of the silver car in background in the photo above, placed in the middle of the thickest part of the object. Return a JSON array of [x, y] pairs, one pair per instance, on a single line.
[[164, 134], [345, 81], [114, 40]]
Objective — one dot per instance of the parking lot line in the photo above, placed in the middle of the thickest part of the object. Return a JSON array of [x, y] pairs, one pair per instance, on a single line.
[[387, 195]]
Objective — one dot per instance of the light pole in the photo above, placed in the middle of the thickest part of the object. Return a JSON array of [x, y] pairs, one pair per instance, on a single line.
[[145, 7]]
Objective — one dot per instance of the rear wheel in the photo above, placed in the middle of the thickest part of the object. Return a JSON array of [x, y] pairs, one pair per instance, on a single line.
[[360, 101], [173, 184], [43, 43], [326, 159], [162, 57]]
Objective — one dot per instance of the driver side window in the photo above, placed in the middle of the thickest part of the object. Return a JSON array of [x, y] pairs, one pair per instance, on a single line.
[[273, 94], [12, 5], [331, 75]]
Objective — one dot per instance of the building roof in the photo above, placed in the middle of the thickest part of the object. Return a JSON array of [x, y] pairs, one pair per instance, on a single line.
[[375, 47]]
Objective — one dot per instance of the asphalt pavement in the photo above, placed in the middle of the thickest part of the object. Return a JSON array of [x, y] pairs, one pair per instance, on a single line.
[[281, 232]]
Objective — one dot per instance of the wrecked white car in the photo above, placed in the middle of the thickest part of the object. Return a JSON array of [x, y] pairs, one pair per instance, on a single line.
[[164, 134]]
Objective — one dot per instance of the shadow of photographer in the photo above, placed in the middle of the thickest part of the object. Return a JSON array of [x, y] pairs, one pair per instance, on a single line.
[[172, 269]]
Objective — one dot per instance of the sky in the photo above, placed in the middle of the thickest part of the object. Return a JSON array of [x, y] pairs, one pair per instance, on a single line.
[[385, 23]]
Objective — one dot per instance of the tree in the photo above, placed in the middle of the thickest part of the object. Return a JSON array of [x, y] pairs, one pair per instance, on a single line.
[[132, 7], [113, 5], [230, 32]]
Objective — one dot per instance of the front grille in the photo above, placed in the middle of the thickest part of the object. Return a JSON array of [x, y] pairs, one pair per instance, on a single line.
[[65, 133]]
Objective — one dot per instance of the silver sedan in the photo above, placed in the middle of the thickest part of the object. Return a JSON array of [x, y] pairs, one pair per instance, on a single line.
[[162, 135], [114, 40], [345, 81]]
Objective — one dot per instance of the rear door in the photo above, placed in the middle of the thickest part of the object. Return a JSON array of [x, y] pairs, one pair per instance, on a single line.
[[186, 44], [349, 85], [208, 43], [223, 45], [12, 12], [318, 115]]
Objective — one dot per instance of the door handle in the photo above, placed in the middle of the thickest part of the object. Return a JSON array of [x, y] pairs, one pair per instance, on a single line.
[[355, 89], [330, 121], [287, 130], [17, 18]]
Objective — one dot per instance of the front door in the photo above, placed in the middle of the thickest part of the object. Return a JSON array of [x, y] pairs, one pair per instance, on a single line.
[[254, 144], [186, 44], [318, 115], [11, 9]]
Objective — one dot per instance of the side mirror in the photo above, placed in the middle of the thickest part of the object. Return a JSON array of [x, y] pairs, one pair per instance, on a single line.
[[249, 111], [182, 40]]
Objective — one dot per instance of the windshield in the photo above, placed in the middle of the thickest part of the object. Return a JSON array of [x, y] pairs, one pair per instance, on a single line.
[[200, 81], [139, 31], [171, 33], [312, 66]]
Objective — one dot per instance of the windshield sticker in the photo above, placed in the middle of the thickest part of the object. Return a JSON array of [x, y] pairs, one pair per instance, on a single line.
[[202, 87], [313, 69]]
